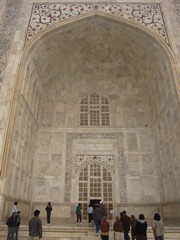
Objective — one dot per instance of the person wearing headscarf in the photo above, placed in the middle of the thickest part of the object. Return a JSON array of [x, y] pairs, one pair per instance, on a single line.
[[141, 228]]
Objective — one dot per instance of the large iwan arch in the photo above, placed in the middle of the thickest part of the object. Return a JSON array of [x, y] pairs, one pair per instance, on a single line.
[[135, 69]]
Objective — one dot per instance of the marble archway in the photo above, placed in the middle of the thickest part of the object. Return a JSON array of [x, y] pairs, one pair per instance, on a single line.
[[93, 52]]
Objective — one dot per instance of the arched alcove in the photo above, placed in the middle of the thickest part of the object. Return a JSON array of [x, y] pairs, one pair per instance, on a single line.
[[134, 69]]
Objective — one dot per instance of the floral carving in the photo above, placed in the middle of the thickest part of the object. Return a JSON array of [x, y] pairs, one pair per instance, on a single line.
[[44, 15]]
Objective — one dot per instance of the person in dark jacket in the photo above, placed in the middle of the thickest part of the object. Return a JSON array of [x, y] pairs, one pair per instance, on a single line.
[[11, 226], [48, 212], [133, 226], [141, 228], [35, 226], [18, 222], [126, 224], [118, 229], [98, 214], [104, 229]]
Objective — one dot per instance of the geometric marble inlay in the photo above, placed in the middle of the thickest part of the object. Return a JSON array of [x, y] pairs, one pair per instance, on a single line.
[[121, 160], [7, 30], [148, 15]]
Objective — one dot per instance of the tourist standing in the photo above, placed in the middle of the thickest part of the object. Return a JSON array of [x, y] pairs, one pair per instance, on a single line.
[[141, 228], [11, 226], [35, 226], [79, 214], [118, 229], [17, 222], [97, 218], [48, 213], [104, 226], [90, 213], [158, 227], [126, 224], [133, 226]]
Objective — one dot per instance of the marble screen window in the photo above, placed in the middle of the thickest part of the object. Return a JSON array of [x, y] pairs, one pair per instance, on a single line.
[[94, 110], [95, 182]]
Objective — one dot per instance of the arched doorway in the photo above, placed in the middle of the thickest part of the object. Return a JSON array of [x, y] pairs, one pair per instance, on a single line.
[[95, 185]]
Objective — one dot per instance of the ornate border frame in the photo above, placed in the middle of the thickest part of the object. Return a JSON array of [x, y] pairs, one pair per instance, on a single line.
[[69, 157]]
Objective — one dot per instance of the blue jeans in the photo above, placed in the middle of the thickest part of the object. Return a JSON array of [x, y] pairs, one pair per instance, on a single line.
[[98, 223]]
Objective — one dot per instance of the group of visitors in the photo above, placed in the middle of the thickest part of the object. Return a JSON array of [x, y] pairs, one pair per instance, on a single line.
[[138, 227], [13, 223], [93, 214], [35, 223], [123, 224], [121, 227]]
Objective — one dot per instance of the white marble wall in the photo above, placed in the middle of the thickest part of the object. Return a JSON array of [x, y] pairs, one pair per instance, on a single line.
[[144, 108]]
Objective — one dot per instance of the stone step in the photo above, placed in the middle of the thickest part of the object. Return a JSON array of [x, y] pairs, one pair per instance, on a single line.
[[80, 233]]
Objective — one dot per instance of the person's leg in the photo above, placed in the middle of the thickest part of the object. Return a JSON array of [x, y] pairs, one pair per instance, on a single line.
[[9, 233], [117, 236], [126, 236], [48, 218], [16, 233], [97, 226], [104, 237], [99, 223]]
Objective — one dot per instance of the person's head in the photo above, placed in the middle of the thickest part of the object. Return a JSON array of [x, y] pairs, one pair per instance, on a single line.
[[141, 217], [132, 217], [18, 212], [124, 212], [117, 218], [104, 218], [16, 203], [36, 213], [157, 217], [121, 214], [49, 203]]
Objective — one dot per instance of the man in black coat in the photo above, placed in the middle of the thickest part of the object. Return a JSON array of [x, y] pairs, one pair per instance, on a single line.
[[126, 224]]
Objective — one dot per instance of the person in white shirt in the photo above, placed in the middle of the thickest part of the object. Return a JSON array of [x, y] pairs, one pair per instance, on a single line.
[[14, 208], [90, 213]]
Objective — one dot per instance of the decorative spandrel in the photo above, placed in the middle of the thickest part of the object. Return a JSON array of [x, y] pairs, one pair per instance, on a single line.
[[148, 15], [107, 160]]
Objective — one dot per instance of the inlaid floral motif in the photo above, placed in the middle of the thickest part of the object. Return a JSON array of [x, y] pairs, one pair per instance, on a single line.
[[44, 15]]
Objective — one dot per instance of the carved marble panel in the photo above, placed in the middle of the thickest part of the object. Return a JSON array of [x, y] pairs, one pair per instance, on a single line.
[[7, 30], [177, 11], [133, 165]]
